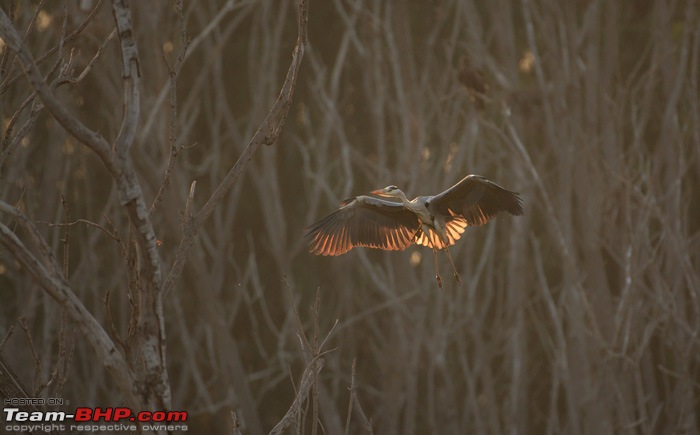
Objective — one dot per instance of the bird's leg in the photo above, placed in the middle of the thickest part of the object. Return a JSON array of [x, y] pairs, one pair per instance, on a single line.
[[459, 280], [437, 269], [449, 255]]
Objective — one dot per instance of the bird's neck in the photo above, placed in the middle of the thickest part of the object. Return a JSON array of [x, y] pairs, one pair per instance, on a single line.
[[402, 197]]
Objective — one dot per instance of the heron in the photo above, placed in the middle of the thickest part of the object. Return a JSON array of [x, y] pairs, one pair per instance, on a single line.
[[435, 222]]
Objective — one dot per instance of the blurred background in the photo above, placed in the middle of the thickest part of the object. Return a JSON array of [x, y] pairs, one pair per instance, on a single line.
[[582, 316]]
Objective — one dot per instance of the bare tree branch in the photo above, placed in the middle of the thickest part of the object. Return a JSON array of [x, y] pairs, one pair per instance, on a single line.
[[56, 286], [90, 138], [266, 134], [307, 380], [69, 38], [151, 325]]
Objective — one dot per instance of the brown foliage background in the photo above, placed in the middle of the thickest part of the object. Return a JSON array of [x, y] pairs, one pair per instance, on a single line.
[[583, 316]]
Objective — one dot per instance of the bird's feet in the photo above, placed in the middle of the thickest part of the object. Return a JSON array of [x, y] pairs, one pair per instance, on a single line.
[[459, 280], [439, 280]]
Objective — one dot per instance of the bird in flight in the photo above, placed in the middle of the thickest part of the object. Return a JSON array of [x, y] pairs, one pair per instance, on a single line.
[[435, 221]]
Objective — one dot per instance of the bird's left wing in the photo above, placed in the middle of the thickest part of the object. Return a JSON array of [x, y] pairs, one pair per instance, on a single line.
[[477, 200], [363, 221]]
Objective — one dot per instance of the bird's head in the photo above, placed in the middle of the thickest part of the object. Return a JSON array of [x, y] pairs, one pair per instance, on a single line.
[[389, 191]]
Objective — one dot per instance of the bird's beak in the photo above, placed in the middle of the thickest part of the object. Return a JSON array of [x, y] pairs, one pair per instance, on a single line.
[[380, 192]]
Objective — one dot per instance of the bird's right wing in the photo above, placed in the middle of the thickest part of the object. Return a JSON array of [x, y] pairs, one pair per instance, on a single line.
[[363, 221]]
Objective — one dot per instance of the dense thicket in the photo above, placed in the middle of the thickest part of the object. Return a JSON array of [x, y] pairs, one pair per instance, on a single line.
[[580, 317]]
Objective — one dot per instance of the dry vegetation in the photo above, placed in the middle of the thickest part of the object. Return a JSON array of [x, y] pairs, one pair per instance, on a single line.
[[583, 316]]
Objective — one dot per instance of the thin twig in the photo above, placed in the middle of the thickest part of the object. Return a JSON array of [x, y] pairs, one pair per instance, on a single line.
[[355, 401], [305, 342], [350, 401], [172, 130], [314, 391], [66, 237], [91, 63], [61, 363], [7, 336], [22, 322], [110, 324], [65, 356], [8, 145], [111, 234]]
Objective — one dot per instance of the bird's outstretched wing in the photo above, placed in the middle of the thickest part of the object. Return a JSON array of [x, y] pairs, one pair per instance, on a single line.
[[363, 221], [477, 200]]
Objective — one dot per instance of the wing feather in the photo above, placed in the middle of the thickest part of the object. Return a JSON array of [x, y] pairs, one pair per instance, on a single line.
[[363, 221]]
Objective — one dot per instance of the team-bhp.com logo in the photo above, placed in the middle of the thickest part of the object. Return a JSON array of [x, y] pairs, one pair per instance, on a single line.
[[94, 420]]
